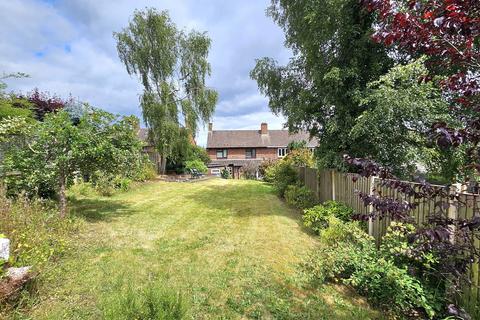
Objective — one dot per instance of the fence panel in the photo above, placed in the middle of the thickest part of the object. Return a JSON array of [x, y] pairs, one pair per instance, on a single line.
[[347, 187], [332, 185], [311, 180], [469, 205], [324, 185]]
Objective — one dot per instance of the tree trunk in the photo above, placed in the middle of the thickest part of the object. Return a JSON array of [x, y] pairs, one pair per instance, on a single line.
[[63, 196], [163, 164]]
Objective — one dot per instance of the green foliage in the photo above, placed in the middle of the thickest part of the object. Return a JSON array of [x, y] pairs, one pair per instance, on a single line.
[[264, 171], [81, 189], [172, 66], [197, 165], [317, 217], [348, 254], [282, 174], [146, 170], [300, 158], [295, 145], [37, 235], [333, 60], [339, 210], [13, 106], [56, 149], [343, 247], [197, 152], [399, 112], [122, 183], [392, 287], [225, 174], [106, 184], [152, 302], [300, 197]]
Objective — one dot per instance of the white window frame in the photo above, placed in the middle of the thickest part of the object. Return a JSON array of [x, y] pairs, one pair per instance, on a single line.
[[215, 171], [253, 153], [281, 152], [224, 153]]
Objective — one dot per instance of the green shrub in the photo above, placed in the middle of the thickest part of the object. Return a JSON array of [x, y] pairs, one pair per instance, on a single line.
[[122, 183], [81, 188], [152, 302], [343, 248], [392, 287], [146, 171], [339, 210], [282, 174], [104, 184], [299, 196], [225, 174], [197, 165], [348, 254], [264, 171], [317, 217]]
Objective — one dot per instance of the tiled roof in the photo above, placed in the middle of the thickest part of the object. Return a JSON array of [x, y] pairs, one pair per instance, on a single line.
[[254, 139]]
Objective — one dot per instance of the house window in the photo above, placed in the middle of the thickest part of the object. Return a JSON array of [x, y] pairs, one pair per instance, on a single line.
[[282, 152], [221, 153], [250, 153]]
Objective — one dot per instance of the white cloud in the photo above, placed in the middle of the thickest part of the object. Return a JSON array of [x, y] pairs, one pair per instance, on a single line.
[[67, 47]]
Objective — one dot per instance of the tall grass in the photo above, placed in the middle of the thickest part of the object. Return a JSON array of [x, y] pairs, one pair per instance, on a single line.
[[37, 234], [153, 302]]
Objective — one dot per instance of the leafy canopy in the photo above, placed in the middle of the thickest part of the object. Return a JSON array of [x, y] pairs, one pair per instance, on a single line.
[[172, 66], [402, 108], [57, 150], [333, 60]]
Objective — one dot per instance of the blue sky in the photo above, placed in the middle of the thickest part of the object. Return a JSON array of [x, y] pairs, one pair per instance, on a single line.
[[67, 48]]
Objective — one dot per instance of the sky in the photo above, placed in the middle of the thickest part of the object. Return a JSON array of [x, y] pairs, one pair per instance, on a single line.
[[67, 48]]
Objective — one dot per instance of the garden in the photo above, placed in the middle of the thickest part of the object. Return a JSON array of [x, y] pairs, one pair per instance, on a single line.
[[230, 250], [391, 90]]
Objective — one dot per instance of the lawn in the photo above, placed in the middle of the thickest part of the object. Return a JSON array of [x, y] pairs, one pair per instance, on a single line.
[[231, 248]]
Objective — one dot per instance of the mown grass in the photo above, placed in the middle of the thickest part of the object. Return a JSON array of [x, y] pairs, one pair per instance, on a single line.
[[228, 249]]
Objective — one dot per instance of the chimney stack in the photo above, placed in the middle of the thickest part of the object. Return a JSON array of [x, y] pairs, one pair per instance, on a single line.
[[210, 127], [264, 128]]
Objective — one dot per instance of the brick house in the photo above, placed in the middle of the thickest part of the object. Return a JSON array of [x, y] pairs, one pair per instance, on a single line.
[[235, 150]]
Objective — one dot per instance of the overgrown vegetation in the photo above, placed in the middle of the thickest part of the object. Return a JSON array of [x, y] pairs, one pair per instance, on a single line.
[[283, 173], [317, 217], [197, 165], [299, 196], [348, 254], [38, 237]]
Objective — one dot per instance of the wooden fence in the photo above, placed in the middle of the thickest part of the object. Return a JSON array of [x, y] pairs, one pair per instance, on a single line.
[[342, 187]]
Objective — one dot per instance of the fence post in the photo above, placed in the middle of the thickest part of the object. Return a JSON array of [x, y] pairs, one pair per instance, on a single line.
[[333, 184], [370, 208], [452, 210]]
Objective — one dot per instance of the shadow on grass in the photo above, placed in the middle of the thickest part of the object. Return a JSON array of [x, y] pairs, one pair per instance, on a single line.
[[94, 210]]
